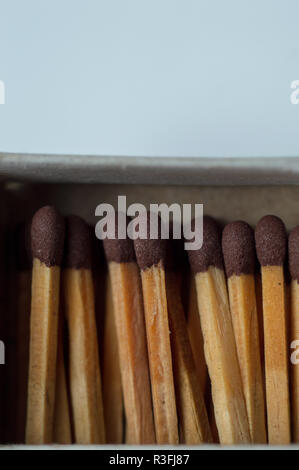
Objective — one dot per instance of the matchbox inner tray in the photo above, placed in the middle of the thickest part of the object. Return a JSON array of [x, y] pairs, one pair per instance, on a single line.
[[229, 189]]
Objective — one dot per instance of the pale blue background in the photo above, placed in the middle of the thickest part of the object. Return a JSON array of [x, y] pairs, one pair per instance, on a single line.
[[150, 78]]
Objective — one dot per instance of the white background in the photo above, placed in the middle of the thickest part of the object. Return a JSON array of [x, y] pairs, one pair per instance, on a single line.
[[150, 78]]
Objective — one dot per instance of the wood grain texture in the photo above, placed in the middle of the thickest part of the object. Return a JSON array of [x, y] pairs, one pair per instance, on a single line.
[[132, 347], [193, 418], [62, 420], [294, 336], [85, 379], [43, 351], [159, 350], [221, 357], [196, 337], [112, 386], [276, 356], [245, 323]]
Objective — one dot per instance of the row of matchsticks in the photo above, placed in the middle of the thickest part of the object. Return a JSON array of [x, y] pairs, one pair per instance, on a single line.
[[175, 356]]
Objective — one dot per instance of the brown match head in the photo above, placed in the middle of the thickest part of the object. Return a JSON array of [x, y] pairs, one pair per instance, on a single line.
[[238, 248], [271, 241], [119, 250], [294, 253], [77, 243], [149, 252], [210, 253], [47, 236]]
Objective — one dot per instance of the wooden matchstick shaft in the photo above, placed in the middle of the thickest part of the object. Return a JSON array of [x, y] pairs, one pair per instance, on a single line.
[[131, 335], [271, 242], [112, 387], [79, 308], [294, 336], [193, 418], [293, 251], [276, 359], [238, 247], [62, 422], [47, 239], [43, 349], [196, 337], [197, 345], [157, 329], [130, 326], [85, 381], [259, 306], [244, 315], [221, 357]]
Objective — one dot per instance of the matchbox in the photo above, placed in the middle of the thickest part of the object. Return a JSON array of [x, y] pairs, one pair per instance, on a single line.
[[229, 189]]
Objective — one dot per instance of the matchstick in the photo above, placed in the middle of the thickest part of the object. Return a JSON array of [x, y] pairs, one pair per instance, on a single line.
[[150, 254], [84, 368], [100, 277], [193, 419], [62, 420], [130, 328], [47, 237], [112, 387], [197, 345], [219, 341], [259, 306], [108, 347], [23, 281], [196, 337], [294, 326], [270, 238], [239, 259]]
